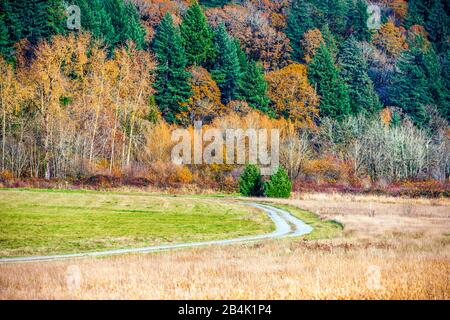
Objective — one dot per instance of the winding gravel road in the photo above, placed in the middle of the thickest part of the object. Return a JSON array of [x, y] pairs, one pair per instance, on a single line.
[[286, 225]]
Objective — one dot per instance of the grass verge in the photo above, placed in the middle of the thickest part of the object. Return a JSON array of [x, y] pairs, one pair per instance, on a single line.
[[322, 229]]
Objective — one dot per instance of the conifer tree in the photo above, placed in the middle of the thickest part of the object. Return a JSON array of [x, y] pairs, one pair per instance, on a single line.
[[354, 72], [437, 26], [279, 185], [197, 36], [330, 40], [35, 19], [250, 181], [413, 16], [445, 107], [299, 20], [5, 45], [253, 87], [214, 3], [226, 69], [357, 22], [333, 92], [410, 89], [172, 85]]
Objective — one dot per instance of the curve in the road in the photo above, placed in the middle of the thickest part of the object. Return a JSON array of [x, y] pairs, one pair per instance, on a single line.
[[286, 225]]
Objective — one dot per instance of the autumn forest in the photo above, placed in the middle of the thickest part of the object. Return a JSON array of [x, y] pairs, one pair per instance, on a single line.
[[362, 98]]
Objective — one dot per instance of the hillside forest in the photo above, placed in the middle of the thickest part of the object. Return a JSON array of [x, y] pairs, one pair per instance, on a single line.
[[359, 108]]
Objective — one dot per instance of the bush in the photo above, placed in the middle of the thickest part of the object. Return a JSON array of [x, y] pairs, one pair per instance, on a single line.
[[250, 181], [279, 185]]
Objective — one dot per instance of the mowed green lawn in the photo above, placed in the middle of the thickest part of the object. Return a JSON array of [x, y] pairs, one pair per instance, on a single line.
[[37, 222]]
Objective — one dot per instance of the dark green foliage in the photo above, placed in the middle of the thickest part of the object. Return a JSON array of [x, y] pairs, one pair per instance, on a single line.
[[354, 72], [279, 185], [437, 26], [336, 12], [125, 21], [5, 45], [172, 85], [250, 182], [357, 23], [333, 92], [299, 20], [214, 3], [330, 40], [197, 36], [414, 15], [33, 19], [226, 69], [445, 106], [252, 87], [410, 88]]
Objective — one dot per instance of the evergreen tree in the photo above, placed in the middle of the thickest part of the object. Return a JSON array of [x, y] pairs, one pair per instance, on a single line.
[[253, 87], [299, 20], [413, 16], [354, 72], [250, 182], [197, 36], [357, 21], [172, 85], [34, 19], [125, 21], [226, 69], [410, 90], [214, 3], [336, 13], [279, 185], [445, 105], [433, 71], [100, 24], [330, 40], [5, 45], [333, 92], [437, 26]]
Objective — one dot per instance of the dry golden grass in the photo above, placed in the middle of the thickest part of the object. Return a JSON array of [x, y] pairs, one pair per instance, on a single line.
[[392, 253]]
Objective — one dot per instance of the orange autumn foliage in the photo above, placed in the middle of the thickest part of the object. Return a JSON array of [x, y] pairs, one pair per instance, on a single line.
[[205, 102], [311, 42], [391, 39], [292, 95]]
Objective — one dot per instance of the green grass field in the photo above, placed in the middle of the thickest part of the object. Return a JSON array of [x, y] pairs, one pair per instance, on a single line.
[[37, 222]]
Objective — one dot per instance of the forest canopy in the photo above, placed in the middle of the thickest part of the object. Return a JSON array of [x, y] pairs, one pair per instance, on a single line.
[[104, 98]]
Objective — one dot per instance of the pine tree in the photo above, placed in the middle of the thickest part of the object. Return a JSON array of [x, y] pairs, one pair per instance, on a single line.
[[250, 182], [101, 25], [279, 185], [330, 40], [214, 3], [336, 13], [36, 19], [299, 20], [354, 72], [357, 22], [433, 71], [253, 87], [410, 90], [437, 26], [172, 85], [413, 16], [333, 92], [5, 45], [125, 21], [226, 69], [445, 104], [197, 36]]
